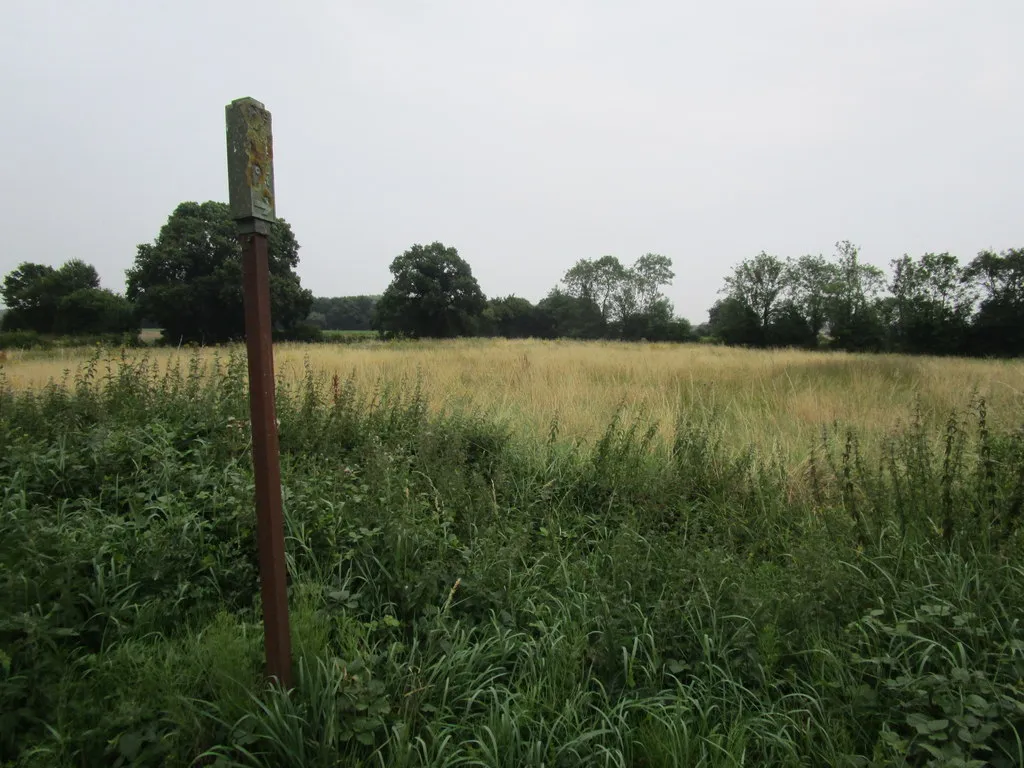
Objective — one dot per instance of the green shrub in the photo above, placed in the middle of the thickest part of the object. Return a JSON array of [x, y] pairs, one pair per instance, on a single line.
[[302, 332], [94, 311], [23, 340]]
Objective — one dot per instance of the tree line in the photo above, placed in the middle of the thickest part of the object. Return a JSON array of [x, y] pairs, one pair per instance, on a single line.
[[433, 294], [343, 313], [188, 283], [931, 304]]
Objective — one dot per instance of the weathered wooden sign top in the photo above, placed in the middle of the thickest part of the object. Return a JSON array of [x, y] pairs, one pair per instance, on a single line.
[[250, 160]]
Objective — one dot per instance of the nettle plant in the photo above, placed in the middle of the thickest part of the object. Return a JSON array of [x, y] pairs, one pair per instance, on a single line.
[[954, 681]]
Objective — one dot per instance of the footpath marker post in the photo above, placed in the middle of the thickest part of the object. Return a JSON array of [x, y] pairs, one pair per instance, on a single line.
[[251, 198]]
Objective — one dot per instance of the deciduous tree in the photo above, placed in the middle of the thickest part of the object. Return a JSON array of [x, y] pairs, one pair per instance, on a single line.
[[932, 304], [599, 280], [758, 283], [811, 281], [66, 301], [999, 326], [189, 280], [853, 318], [432, 294]]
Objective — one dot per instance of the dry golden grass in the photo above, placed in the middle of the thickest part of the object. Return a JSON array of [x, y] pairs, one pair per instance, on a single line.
[[774, 400]]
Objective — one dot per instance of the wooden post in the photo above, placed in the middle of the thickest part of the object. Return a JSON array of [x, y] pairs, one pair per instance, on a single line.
[[251, 183]]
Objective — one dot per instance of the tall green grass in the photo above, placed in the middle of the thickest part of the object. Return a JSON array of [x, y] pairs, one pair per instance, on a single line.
[[461, 596]]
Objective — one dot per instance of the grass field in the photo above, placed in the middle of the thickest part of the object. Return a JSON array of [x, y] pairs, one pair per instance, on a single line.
[[517, 554], [149, 335], [775, 401]]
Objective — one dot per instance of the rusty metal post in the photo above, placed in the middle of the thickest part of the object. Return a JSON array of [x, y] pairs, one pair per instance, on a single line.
[[251, 182]]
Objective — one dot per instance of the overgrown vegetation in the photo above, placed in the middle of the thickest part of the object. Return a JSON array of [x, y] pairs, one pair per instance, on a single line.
[[34, 340], [463, 596]]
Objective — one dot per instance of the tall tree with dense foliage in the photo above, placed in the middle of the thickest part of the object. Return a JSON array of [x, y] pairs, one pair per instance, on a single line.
[[854, 322], [648, 275], [629, 300], [67, 301], [999, 326], [599, 280], [758, 283], [811, 280], [762, 305], [432, 294], [638, 300], [189, 280], [932, 304], [29, 299]]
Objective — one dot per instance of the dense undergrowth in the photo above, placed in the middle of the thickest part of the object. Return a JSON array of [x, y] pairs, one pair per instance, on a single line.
[[461, 597]]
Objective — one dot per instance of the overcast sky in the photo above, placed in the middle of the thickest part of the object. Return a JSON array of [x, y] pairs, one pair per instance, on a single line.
[[526, 134]]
